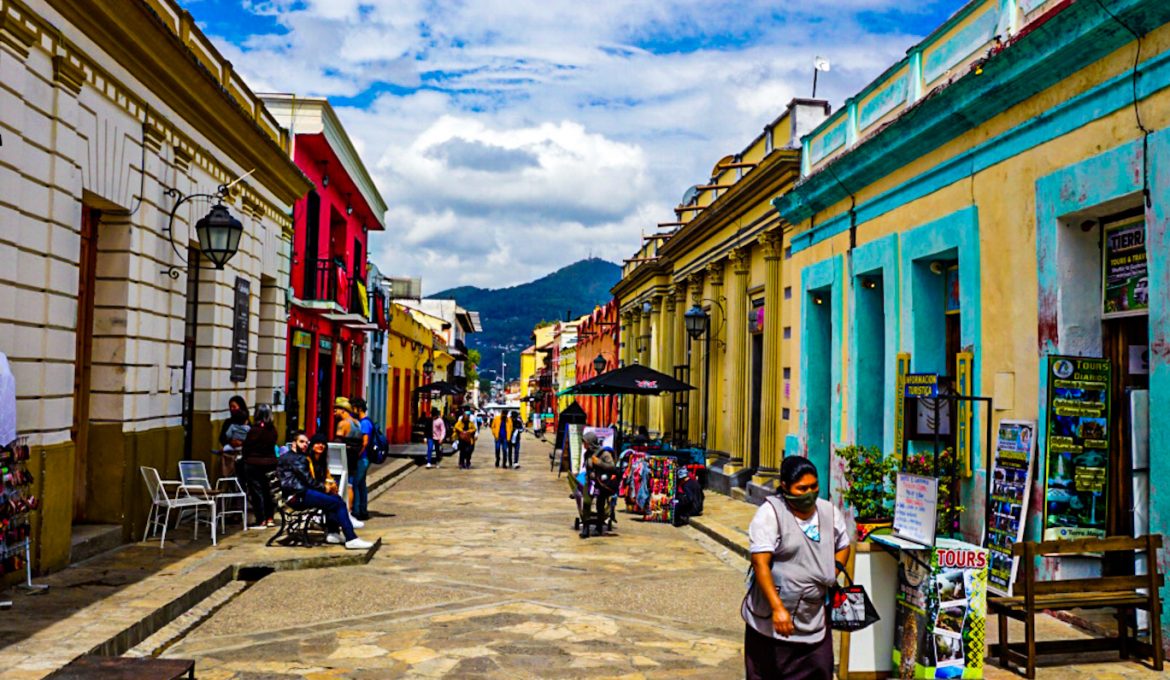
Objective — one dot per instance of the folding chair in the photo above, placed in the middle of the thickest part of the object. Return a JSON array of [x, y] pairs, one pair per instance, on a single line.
[[161, 499], [193, 476]]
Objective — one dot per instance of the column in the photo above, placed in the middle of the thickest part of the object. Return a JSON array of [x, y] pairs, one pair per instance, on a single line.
[[628, 340], [651, 406], [681, 344], [771, 448], [642, 403], [736, 359], [717, 327], [695, 357], [666, 359]]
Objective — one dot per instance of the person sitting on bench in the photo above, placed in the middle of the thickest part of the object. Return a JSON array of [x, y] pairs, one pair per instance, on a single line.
[[307, 484]]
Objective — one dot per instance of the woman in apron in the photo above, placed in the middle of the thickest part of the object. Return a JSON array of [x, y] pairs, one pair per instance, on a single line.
[[796, 539]]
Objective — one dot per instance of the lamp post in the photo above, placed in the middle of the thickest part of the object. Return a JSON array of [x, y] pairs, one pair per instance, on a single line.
[[599, 364], [698, 323]]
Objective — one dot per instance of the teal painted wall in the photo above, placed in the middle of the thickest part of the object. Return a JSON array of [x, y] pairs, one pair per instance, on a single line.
[[820, 367], [874, 339]]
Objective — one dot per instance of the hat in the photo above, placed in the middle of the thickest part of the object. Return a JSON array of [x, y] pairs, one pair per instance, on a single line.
[[343, 403], [590, 439]]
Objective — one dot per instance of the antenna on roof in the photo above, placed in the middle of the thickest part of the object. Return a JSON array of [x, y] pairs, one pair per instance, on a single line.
[[819, 64]]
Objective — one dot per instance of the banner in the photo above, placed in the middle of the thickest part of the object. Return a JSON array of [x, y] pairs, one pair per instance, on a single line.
[[1124, 284], [1076, 474], [902, 367], [1011, 475]]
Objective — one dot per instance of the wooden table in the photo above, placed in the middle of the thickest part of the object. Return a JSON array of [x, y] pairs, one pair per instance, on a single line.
[[128, 668]]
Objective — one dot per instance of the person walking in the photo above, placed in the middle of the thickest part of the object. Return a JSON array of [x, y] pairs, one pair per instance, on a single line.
[[795, 539], [348, 431], [436, 434], [465, 434], [303, 479], [514, 439], [231, 436], [499, 428], [259, 458], [357, 474]]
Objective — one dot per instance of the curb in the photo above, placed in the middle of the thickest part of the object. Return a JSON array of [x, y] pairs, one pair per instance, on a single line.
[[721, 537]]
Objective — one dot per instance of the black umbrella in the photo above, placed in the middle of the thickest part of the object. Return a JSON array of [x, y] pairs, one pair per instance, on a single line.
[[440, 386], [632, 379]]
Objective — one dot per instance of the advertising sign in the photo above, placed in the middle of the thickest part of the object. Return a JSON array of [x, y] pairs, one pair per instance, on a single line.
[[901, 369], [1078, 447], [916, 508], [1011, 481], [921, 385], [573, 444], [1125, 286], [941, 615], [240, 318]]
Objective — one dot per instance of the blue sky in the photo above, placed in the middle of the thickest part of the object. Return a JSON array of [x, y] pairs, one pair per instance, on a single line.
[[512, 138]]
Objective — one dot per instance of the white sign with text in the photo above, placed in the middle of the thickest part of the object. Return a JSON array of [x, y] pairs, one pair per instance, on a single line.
[[916, 508]]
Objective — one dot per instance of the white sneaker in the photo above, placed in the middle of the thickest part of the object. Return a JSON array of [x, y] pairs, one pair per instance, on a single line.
[[356, 523], [334, 539], [358, 544], [429, 466]]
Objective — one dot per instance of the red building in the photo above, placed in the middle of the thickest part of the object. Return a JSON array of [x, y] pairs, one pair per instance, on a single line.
[[330, 309], [598, 336]]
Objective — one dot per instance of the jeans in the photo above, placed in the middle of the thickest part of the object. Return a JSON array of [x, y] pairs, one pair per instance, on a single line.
[[465, 455], [501, 448], [430, 451], [336, 514], [357, 482], [515, 452], [256, 485]]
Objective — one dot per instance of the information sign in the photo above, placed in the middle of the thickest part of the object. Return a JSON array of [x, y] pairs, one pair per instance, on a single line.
[[916, 508], [1076, 478], [921, 385], [1125, 287], [1011, 481], [240, 318]]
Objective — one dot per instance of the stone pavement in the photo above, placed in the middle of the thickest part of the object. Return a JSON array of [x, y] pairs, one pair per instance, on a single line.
[[111, 602]]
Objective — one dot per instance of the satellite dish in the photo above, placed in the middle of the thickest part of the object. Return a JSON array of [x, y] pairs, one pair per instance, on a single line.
[[821, 64], [690, 195]]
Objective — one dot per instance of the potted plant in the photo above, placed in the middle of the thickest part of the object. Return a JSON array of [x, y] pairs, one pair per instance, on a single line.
[[869, 488]]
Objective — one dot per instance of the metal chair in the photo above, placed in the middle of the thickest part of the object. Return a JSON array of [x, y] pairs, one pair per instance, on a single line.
[[160, 499], [193, 477]]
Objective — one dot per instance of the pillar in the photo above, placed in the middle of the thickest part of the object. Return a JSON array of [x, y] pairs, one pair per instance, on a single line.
[[771, 448], [736, 363], [717, 327], [695, 357], [681, 345], [628, 341], [645, 339], [665, 403]]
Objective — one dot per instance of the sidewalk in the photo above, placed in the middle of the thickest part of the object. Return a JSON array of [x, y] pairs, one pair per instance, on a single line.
[[726, 521], [111, 602]]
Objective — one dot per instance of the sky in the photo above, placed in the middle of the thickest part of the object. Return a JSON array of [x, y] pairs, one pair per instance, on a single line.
[[513, 137]]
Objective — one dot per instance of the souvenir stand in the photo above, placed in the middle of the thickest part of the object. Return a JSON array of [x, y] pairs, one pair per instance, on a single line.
[[649, 485], [16, 499]]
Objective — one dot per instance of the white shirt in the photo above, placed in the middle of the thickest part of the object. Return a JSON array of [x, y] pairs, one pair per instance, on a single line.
[[763, 532]]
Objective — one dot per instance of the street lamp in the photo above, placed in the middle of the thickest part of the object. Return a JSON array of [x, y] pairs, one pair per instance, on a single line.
[[696, 321], [219, 235], [599, 364], [428, 366]]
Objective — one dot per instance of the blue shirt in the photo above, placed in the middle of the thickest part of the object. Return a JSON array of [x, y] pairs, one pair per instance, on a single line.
[[367, 431]]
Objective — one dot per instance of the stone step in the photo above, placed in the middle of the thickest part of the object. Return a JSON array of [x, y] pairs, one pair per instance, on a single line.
[[93, 539]]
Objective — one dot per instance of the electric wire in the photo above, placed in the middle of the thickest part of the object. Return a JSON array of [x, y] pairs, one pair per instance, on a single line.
[[1137, 112]]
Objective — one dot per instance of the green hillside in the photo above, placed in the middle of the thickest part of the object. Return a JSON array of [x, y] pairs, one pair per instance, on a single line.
[[508, 314]]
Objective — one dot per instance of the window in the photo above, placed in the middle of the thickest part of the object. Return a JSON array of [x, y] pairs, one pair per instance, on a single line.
[[785, 414], [787, 373], [788, 292], [787, 332]]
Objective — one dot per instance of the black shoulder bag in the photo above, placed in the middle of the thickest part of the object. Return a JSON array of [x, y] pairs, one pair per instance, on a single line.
[[850, 608]]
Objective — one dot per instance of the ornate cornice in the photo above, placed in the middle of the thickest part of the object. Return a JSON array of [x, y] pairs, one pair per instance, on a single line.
[[771, 242]]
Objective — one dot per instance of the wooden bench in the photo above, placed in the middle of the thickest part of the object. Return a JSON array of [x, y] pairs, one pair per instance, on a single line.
[[297, 527], [1121, 592], [126, 668]]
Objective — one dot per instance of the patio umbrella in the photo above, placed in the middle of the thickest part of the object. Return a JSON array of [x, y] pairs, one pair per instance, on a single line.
[[440, 386], [632, 379]]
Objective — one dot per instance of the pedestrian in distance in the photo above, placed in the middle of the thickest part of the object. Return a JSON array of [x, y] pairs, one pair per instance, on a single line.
[[514, 438], [436, 434], [500, 424], [796, 539], [465, 434], [258, 453], [305, 481], [357, 474]]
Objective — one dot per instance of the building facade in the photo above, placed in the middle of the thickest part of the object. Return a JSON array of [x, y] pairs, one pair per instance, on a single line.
[[597, 336], [994, 211], [120, 122], [330, 314]]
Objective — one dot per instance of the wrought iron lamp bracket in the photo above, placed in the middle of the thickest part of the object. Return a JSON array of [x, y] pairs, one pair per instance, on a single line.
[[221, 192]]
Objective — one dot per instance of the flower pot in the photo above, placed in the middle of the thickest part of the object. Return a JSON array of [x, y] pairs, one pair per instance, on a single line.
[[869, 525]]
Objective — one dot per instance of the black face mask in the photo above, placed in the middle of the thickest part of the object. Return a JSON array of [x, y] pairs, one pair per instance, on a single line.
[[802, 502]]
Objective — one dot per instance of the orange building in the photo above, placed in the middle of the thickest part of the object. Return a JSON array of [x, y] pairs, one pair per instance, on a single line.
[[597, 336]]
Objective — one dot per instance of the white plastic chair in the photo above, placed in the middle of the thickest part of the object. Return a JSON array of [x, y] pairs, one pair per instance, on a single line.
[[160, 499], [193, 477]]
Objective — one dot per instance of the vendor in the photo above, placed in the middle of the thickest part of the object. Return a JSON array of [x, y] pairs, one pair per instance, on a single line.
[[796, 539]]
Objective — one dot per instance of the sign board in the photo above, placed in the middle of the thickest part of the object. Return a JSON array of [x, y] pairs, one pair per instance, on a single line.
[[240, 318], [338, 466], [901, 368], [575, 447], [1011, 481], [920, 385], [325, 344], [1076, 477], [605, 434], [302, 339], [1125, 288], [916, 508]]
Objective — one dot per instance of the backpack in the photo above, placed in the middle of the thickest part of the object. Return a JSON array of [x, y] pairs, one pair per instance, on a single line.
[[379, 447]]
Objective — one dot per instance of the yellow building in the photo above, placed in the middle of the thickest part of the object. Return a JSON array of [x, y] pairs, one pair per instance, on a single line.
[[411, 343], [721, 255], [527, 373], [532, 363]]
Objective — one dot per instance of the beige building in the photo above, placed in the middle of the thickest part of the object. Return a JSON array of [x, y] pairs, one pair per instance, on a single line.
[[118, 332]]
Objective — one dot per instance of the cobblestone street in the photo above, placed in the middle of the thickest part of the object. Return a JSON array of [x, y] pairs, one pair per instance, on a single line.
[[481, 575]]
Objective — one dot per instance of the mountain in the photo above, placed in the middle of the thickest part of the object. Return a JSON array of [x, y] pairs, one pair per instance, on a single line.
[[508, 314]]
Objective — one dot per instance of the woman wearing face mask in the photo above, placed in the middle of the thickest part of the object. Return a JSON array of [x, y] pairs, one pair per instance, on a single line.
[[796, 539]]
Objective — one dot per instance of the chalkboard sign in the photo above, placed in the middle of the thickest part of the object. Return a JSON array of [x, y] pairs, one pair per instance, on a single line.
[[240, 318]]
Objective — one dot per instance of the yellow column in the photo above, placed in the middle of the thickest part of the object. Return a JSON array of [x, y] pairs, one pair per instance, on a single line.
[[647, 317], [681, 344], [665, 403], [736, 359], [716, 429], [770, 445], [695, 411]]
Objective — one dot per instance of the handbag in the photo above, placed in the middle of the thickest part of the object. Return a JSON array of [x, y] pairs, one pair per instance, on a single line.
[[850, 608]]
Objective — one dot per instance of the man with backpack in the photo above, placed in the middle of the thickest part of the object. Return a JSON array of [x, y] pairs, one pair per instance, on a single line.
[[357, 474]]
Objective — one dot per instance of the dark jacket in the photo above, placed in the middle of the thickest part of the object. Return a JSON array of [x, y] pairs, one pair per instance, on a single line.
[[293, 471], [260, 446]]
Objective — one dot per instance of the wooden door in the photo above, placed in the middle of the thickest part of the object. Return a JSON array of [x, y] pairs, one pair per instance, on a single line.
[[83, 356]]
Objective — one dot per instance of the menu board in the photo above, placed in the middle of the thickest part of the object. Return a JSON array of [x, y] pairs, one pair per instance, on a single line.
[[1124, 279], [916, 508], [1011, 473], [240, 317], [1078, 447], [573, 444]]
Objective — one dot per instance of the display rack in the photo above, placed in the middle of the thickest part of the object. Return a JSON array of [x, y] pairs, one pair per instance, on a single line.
[[15, 505]]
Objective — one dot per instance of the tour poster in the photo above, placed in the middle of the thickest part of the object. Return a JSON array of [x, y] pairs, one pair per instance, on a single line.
[[1011, 481], [1076, 474]]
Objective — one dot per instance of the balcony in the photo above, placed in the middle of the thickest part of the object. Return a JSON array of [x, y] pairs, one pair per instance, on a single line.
[[331, 289]]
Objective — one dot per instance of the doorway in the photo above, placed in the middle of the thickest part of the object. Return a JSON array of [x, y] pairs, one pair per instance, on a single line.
[[324, 385], [757, 388], [818, 345], [83, 364]]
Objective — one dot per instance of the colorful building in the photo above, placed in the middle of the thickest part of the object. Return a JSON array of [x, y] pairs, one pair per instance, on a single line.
[[412, 346], [994, 210], [330, 312], [121, 120], [597, 336]]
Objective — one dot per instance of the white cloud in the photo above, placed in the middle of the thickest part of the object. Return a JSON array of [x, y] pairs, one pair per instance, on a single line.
[[548, 130]]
